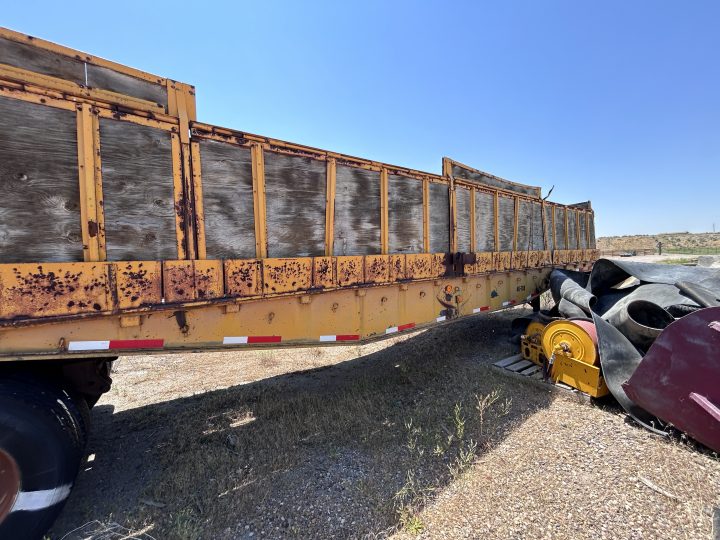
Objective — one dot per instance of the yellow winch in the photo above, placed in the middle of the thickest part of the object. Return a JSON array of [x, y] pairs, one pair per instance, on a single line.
[[567, 351]]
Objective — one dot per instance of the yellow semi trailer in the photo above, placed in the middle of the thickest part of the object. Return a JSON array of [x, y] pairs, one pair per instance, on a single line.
[[127, 226]]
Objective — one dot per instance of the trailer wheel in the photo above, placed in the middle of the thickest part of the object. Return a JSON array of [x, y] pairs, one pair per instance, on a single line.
[[42, 440]]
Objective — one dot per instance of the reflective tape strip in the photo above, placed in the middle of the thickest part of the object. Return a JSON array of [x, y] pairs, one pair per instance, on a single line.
[[440, 319], [407, 326], [508, 303], [88, 345], [479, 309], [391, 330], [244, 340], [38, 500], [136, 343], [340, 337], [116, 344]]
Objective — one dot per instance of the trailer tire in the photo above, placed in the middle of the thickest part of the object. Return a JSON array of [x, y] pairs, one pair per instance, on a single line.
[[42, 441]]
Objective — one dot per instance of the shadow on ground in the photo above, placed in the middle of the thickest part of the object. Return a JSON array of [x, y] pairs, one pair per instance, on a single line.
[[352, 450]]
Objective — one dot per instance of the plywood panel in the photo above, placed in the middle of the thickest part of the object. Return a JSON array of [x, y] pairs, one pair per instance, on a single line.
[[439, 218], [405, 214], [536, 227], [107, 79], [484, 221], [548, 227], [40, 202], [560, 228], [583, 231], [506, 222], [357, 211], [593, 244], [524, 226], [227, 200], [295, 201], [138, 192], [22, 55], [462, 207], [572, 230]]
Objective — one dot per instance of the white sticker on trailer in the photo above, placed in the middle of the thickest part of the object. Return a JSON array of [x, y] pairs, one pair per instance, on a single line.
[[328, 338], [88, 345]]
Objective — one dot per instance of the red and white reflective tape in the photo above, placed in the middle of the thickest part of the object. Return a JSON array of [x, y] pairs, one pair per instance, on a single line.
[[508, 303], [245, 340], [479, 309], [340, 337], [116, 344], [441, 319], [400, 328]]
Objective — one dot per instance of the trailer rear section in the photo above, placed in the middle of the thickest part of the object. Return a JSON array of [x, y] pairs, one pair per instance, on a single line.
[[127, 226]]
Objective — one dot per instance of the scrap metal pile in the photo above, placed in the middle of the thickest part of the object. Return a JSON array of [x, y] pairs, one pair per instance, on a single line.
[[649, 334]]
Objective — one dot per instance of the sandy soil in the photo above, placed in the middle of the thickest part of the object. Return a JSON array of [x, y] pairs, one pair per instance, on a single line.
[[369, 442]]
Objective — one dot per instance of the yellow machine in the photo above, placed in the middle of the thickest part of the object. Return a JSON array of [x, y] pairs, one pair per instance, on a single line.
[[567, 350]]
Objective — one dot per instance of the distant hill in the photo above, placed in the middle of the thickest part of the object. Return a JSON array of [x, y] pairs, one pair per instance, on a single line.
[[681, 241]]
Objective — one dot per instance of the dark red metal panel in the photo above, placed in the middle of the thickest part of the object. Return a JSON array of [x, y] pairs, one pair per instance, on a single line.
[[678, 380]]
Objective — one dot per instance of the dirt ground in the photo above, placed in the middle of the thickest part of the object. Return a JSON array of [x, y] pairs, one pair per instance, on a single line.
[[415, 436]]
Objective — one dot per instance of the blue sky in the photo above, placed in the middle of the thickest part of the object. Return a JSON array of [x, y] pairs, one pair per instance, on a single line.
[[614, 101]]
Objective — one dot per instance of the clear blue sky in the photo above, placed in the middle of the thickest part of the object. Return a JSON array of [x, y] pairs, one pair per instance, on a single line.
[[613, 101]]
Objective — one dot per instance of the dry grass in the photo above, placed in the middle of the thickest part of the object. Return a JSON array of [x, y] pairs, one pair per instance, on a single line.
[[687, 242], [421, 437]]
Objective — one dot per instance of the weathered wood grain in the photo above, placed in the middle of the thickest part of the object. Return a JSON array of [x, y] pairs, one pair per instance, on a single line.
[[484, 221], [295, 200], [25, 56], [593, 243], [138, 197], [560, 228], [537, 242], [405, 213], [489, 180], [357, 212], [227, 200], [40, 203], [107, 79], [548, 226], [506, 222], [439, 218], [524, 225], [572, 230], [462, 207], [583, 231]]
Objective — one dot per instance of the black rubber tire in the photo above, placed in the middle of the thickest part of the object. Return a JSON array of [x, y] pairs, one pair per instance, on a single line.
[[41, 427]]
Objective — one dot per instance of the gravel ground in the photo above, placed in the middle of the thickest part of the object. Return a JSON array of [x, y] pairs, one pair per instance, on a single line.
[[373, 441]]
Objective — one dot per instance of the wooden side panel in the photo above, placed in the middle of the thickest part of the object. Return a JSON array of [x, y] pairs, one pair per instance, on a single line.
[[572, 229], [227, 200], [591, 224], [537, 242], [405, 209], [357, 212], [506, 222], [138, 192], [560, 228], [484, 221], [25, 56], [40, 202], [549, 227], [462, 206], [583, 230], [107, 79], [439, 218], [295, 201], [524, 226]]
